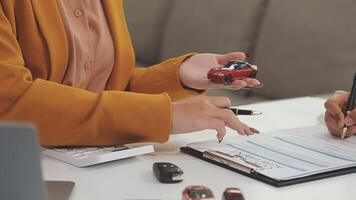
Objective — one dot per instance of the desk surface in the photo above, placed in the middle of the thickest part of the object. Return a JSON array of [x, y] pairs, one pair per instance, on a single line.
[[133, 178]]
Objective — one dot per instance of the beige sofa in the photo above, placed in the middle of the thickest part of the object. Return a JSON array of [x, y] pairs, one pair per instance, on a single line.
[[302, 47]]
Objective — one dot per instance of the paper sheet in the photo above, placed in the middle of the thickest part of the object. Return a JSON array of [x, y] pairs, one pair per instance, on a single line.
[[290, 153]]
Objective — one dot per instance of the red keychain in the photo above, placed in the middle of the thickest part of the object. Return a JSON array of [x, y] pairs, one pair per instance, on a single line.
[[197, 192], [232, 194]]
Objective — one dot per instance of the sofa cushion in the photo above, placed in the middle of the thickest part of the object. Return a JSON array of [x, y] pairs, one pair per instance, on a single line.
[[306, 47], [211, 26], [146, 20]]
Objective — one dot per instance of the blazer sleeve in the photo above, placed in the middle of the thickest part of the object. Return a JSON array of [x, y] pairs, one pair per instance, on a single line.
[[70, 116], [163, 77]]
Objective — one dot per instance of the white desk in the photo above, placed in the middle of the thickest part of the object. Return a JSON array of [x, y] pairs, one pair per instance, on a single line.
[[134, 179]]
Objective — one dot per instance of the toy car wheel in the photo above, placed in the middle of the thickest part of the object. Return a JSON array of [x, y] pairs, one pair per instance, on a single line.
[[228, 79], [253, 74]]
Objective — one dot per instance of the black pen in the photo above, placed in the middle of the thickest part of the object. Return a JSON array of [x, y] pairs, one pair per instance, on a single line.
[[237, 111], [350, 105]]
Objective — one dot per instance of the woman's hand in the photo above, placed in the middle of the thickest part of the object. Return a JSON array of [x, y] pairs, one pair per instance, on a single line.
[[334, 116], [203, 112], [193, 71]]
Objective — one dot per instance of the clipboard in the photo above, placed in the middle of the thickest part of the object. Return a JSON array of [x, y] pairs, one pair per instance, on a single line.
[[260, 177], [282, 157]]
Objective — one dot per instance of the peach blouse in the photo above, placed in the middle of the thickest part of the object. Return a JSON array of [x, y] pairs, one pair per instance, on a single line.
[[91, 48]]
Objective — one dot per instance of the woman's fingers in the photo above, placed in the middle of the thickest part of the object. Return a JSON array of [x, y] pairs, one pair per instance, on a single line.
[[218, 108], [202, 112], [340, 97], [220, 102], [218, 125], [231, 121], [351, 130], [331, 124], [237, 84], [350, 119], [223, 59], [246, 82], [334, 111], [252, 82], [334, 116], [227, 115]]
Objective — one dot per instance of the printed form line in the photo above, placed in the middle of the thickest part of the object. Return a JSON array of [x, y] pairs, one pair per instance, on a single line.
[[275, 151], [311, 149], [239, 148]]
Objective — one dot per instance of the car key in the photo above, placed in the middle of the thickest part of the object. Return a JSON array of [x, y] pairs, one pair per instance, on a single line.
[[167, 172]]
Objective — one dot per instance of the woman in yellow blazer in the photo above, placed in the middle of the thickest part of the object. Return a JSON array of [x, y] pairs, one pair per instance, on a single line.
[[136, 105]]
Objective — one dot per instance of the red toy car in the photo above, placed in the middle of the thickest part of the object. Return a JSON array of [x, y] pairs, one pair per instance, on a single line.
[[197, 192], [232, 194], [233, 70]]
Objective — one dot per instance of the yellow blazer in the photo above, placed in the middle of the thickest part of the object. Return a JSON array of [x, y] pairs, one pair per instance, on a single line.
[[136, 106]]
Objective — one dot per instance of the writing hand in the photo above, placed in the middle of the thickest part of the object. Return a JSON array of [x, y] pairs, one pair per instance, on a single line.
[[334, 116]]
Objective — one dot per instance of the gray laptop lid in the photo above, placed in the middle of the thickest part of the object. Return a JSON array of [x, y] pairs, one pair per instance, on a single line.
[[20, 171]]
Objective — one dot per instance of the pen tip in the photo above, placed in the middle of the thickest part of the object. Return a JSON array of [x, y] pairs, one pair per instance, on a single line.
[[343, 132]]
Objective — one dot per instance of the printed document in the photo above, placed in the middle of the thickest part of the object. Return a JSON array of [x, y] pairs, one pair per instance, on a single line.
[[287, 154]]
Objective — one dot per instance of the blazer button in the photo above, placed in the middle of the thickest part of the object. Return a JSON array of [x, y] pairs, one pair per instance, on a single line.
[[86, 66], [78, 13]]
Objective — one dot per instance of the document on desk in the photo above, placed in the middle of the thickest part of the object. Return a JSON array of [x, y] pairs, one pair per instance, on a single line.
[[285, 154]]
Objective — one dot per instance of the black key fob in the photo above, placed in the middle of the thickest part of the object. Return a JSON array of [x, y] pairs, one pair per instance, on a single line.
[[167, 172]]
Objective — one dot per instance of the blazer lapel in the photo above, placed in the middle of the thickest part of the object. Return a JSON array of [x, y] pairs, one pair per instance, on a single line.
[[52, 28], [124, 55]]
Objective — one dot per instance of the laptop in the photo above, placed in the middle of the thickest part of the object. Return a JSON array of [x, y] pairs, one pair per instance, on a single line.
[[20, 169]]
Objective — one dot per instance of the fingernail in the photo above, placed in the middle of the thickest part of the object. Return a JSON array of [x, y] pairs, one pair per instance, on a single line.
[[248, 55], [258, 86], [220, 140], [254, 86], [254, 130], [348, 121]]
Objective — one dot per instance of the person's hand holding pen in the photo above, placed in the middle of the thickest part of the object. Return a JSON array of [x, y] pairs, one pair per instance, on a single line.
[[204, 112], [334, 116]]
